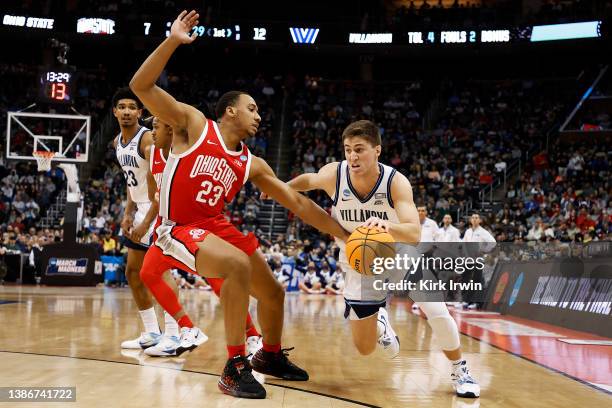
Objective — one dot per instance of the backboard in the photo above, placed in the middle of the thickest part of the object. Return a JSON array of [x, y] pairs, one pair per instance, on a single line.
[[66, 135]]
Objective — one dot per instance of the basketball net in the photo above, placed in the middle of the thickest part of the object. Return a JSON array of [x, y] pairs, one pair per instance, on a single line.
[[43, 159]]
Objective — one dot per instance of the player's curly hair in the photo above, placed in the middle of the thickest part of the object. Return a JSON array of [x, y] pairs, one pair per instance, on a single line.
[[365, 129]]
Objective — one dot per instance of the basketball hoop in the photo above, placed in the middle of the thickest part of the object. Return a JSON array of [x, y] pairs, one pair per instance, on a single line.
[[43, 159]]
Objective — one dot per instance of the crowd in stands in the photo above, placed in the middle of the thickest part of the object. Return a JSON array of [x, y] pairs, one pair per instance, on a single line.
[[564, 196], [483, 128]]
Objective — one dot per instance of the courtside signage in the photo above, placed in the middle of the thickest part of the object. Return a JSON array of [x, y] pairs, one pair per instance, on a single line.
[[67, 266]]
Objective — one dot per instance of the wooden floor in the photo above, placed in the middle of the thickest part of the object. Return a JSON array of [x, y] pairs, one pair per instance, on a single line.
[[71, 337]]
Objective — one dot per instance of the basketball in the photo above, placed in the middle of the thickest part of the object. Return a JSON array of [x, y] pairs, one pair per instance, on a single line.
[[366, 244]]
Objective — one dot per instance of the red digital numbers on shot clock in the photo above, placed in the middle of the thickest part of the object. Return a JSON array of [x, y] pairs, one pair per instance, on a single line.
[[56, 86]]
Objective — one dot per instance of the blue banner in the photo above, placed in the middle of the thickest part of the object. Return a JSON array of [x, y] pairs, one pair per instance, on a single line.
[[113, 265], [67, 266]]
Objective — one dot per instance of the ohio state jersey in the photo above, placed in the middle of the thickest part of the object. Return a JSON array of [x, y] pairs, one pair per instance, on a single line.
[[197, 183], [157, 165]]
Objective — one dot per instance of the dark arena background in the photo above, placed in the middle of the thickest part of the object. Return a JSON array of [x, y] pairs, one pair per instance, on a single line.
[[498, 111]]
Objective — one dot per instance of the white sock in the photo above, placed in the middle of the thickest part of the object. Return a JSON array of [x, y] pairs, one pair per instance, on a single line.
[[149, 319], [170, 325]]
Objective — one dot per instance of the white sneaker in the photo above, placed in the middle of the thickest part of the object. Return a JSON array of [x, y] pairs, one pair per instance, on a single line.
[[190, 339], [166, 347], [472, 306], [253, 344], [388, 340], [463, 383], [145, 341]]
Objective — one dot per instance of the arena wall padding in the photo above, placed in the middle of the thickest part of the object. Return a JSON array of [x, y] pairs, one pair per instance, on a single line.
[[573, 293]]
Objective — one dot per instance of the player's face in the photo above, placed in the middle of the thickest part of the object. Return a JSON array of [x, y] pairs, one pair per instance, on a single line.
[[422, 213], [127, 113], [246, 114], [162, 134], [447, 220], [361, 156]]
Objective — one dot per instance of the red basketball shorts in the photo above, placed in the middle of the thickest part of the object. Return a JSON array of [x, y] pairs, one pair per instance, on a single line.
[[176, 246]]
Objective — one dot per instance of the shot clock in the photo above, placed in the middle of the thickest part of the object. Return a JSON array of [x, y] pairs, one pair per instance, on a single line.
[[56, 85]]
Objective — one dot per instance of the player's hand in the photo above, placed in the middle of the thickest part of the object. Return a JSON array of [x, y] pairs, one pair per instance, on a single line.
[[126, 226], [138, 232], [264, 196], [375, 222], [182, 26]]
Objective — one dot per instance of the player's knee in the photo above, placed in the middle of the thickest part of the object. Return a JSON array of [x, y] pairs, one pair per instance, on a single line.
[[133, 274], [442, 324], [146, 275], [239, 267]]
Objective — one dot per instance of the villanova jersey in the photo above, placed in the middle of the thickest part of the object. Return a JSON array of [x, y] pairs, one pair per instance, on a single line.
[[134, 166], [351, 211], [196, 184]]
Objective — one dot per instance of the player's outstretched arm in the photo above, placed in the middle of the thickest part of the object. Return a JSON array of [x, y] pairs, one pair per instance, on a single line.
[[159, 102], [324, 179], [264, 178]]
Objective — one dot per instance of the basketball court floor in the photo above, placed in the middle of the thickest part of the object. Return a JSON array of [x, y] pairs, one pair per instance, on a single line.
[[57, 336]]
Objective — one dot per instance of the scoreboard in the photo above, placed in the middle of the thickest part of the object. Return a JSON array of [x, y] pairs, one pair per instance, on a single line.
[[156, 27]]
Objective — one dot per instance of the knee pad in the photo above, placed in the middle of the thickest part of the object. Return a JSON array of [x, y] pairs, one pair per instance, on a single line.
[[442, 324]]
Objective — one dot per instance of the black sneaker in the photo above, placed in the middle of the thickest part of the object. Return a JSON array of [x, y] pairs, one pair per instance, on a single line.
[[278, 365], [237, 380]]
